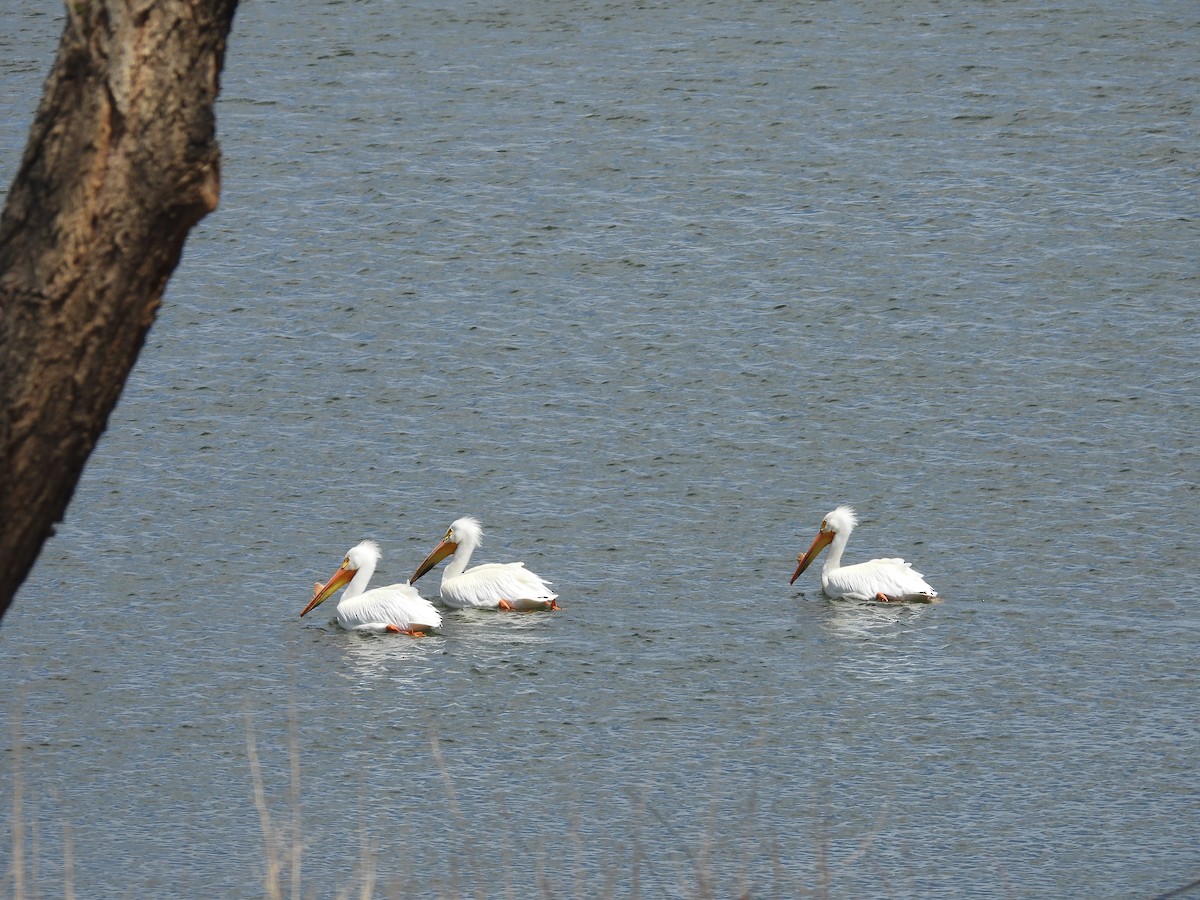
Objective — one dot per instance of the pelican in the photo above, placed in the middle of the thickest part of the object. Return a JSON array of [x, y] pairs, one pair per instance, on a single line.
[[507, 586], [397, 608], [878, 579]]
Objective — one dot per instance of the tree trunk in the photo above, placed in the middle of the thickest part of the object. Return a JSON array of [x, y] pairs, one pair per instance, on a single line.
[[122, 161]]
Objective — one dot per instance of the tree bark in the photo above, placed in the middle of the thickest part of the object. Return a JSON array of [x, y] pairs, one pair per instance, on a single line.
[[122, 161]]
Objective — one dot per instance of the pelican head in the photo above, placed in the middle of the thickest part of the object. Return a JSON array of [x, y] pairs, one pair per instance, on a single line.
[[361, 556], [839, 522], [466, 531]]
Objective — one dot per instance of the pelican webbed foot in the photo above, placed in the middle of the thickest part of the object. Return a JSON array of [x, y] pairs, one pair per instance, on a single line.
[[396, 629]]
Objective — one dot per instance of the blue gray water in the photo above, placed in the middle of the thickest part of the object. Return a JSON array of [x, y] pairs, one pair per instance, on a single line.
[[648, 289]]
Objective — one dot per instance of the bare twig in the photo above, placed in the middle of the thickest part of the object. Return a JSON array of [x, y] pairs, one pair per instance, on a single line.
[[68, 862], [294, 760], [270, 848], [18, 811]]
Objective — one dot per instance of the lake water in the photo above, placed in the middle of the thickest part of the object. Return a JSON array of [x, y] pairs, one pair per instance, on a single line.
[[648, 289]]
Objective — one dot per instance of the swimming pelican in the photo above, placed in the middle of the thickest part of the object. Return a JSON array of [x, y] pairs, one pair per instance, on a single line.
[[878, 579], [491, 586], [397, 608]]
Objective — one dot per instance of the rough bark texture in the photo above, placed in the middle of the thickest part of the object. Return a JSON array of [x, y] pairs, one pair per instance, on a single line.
[[122, 161]]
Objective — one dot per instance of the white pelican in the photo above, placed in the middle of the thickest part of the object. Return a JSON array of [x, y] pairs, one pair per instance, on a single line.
[[878, 579], [397, 608], [490, 586]]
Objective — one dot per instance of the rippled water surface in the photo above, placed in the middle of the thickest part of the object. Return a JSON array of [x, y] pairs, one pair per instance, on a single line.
[[648, 290]]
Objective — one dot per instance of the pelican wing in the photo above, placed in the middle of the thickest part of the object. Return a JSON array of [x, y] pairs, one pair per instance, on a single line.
[[396, 604], [485, 586], [893, 577]]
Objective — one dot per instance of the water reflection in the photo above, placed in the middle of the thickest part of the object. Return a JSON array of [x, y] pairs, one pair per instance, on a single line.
[[490, 626], [495, 644], [889, 646], [869, 619], [488, 641], [402, 660]]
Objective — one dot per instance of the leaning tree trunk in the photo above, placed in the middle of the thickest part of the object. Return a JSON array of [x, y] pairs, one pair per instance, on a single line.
[[122, 161]]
